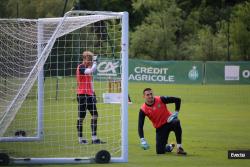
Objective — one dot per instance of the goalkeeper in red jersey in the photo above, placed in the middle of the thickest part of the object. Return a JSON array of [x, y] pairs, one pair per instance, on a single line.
[[155, 108], [86, 96]]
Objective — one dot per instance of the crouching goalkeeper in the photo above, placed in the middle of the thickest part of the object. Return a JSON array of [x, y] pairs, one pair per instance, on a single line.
[[155, 108]]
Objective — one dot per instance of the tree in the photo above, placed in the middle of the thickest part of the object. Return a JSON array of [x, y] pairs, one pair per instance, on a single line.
[[240, 26], [209, 46], [3, 9], [156, 37], [34, 8], [109, 5]]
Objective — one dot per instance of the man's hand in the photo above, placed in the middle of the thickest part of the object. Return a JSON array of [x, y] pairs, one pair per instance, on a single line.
[[144, 144], [173, 116], [95, 58]]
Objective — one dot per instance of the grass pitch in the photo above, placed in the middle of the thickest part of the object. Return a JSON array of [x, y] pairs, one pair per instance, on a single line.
[[214, 118]]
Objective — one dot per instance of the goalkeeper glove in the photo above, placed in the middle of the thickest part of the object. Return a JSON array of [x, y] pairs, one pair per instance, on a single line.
[[173, 116], [144, 144], [95, 58]]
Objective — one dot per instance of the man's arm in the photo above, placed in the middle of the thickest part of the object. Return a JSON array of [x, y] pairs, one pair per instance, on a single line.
[[176, 100], [84, 70], [144, 144], [141, 124]]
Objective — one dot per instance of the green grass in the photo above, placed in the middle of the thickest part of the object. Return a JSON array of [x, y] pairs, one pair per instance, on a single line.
[[214, 118]]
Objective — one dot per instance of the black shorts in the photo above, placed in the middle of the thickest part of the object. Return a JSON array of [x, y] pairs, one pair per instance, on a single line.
[[162, 135], [86, 102]]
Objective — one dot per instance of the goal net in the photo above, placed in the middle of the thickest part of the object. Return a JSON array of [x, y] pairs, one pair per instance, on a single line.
[[38, 99]]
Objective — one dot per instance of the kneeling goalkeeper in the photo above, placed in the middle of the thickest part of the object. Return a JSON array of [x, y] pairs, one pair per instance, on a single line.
[[155, 108]]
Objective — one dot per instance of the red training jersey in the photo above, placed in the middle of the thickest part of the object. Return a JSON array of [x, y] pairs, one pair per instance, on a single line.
[[84, 82], [158, 112]]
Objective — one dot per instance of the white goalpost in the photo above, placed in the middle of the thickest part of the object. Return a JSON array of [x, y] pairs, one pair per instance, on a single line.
[[38, 98]]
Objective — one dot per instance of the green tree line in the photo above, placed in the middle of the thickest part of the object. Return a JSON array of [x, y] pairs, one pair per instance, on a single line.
[[163, 29]]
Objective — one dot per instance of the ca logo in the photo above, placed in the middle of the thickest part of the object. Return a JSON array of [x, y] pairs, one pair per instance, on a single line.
[[193, 73], [107, 68]]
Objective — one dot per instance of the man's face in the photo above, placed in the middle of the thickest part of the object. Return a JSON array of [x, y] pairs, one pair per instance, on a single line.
[[88, 61], [148, 96]]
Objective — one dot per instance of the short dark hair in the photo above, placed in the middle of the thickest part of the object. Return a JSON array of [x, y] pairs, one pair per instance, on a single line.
[[146, 89]]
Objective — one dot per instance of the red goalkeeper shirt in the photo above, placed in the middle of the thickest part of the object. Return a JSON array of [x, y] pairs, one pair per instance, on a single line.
[[158, 113], [84, 81]]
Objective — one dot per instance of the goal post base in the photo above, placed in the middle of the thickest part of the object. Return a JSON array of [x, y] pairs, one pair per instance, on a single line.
[[20, 139], [85, 160]]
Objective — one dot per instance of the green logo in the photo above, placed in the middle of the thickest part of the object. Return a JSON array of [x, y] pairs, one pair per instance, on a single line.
[[193, 73]]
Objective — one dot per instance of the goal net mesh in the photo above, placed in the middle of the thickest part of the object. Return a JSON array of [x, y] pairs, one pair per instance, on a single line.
[[54, 47]]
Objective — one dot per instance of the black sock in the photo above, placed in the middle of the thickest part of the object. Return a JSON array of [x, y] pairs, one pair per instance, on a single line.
[[94, 126], [79, 128]]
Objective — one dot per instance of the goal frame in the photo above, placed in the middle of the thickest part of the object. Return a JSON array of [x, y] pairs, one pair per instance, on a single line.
[[40, 99]]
